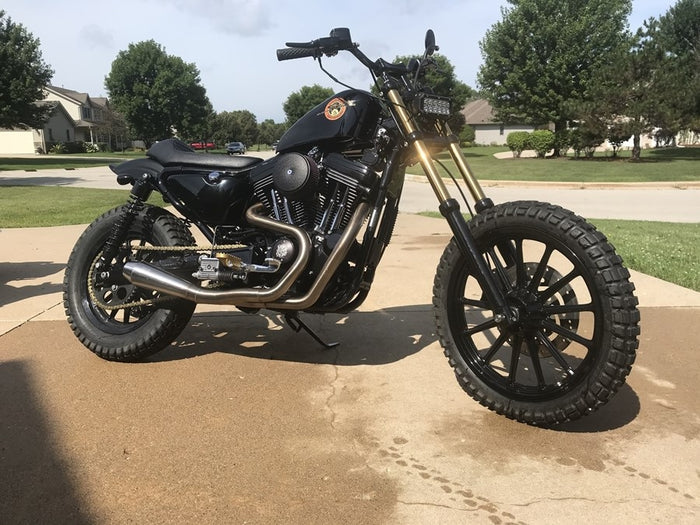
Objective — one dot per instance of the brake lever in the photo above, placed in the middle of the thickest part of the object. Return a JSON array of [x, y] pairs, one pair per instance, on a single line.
[[301, 45]]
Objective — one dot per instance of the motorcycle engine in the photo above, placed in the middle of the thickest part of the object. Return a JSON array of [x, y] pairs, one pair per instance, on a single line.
[[319, 197]]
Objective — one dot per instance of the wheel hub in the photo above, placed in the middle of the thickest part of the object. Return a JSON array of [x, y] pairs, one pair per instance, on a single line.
[[530, 309]]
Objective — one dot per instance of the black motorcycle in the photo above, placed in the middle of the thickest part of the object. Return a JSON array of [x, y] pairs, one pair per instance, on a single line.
[[533, 307]]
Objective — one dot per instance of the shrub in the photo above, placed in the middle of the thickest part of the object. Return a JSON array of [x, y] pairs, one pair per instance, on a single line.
[[76, 146], [587, 137], [562, 141], [618, 133], [542, 141], [57, 148], [467, 135], [518, 141]]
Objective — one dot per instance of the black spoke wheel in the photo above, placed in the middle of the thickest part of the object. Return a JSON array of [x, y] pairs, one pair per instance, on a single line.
[[575, 335], [113, 318]]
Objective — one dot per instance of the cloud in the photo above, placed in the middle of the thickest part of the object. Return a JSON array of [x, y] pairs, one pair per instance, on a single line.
[[95, 36], [240, 17]]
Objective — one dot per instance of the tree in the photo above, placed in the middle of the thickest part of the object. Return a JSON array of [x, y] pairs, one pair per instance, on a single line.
[[157, 93], [23, 76], [677, 34], [538, 60], [239, 125], [626, 90], [300, 102], [441, 79], [270, 131], [113, 129]]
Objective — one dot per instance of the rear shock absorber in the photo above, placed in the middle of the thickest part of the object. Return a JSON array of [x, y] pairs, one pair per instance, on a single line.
[[140, 192]]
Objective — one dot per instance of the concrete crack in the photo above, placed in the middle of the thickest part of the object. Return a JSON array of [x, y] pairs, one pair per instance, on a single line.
[[438, 505], [593, 500], [333, 392]]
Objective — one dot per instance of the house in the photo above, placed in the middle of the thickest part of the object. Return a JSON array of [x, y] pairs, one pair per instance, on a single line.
[[74, 117], [490, 131], [487, 129]]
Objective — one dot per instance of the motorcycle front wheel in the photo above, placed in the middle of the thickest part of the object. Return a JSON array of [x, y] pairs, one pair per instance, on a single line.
[[575, 335], [111, 317]]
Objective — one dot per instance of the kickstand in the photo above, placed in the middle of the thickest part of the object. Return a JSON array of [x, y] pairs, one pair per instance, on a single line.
[[297, 325]]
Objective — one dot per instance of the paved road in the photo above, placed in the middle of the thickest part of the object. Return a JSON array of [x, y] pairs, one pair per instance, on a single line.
[[651, 202], [657, 202]]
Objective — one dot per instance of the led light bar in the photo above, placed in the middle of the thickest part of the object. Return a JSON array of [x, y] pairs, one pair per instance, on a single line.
[[434, 105]]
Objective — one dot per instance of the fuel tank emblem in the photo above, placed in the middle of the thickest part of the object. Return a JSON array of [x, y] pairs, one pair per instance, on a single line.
[[335, 109]]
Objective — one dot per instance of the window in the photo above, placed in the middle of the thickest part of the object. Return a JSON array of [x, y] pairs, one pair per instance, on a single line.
[[86, 113], [50, 134], [67, 135]]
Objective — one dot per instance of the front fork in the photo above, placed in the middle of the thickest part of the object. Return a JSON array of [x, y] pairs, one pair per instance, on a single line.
[[449, 207]]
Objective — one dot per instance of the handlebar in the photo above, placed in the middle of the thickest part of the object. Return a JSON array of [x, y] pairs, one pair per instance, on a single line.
[[290, 53], [339, 40]]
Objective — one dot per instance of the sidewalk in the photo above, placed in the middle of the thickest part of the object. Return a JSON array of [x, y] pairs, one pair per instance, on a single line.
[[31, 272]]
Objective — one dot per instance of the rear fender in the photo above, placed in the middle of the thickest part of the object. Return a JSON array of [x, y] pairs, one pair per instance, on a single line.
[[132, 170]]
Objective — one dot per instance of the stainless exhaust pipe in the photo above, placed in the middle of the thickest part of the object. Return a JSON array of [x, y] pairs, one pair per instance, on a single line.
[[336, 257], [146, 276]]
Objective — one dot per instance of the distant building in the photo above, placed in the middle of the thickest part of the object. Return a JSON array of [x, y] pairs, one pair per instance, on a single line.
[[487, 129], [75, 117]]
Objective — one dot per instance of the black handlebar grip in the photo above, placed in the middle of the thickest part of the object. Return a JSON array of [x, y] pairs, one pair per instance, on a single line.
[[290, 53]]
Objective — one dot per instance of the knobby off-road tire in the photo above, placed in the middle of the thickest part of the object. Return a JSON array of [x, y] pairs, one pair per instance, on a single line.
[[132, 333], [576, 337]]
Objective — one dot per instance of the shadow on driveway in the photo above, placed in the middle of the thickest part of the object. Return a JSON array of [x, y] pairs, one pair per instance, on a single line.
[[36, 486], [11, 272]]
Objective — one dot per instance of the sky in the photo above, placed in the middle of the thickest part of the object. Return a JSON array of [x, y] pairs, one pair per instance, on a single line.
[[233, 42]]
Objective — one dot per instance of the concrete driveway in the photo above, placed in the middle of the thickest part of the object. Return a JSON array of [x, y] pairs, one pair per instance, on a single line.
[[243, 421]]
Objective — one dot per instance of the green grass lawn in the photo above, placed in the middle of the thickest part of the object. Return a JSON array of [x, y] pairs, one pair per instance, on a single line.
[[36, 206], [656, 165], [667, 250]]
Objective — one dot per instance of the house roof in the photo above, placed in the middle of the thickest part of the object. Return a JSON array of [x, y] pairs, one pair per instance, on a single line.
[[81, 98], [479, 112], [100, 101], [55, 106]]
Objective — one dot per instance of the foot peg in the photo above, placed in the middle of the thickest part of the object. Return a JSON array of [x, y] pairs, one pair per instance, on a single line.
[[298, 325]]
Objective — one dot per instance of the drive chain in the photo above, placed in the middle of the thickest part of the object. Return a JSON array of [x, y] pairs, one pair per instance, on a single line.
[[148, 302]]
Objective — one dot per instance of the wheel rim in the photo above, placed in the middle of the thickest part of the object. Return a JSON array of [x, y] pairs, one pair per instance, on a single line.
[[115, 291], [556, 340]]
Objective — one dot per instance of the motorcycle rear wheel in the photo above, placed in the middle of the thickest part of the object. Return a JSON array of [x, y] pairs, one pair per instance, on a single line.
[[575, 339], [123, 333]]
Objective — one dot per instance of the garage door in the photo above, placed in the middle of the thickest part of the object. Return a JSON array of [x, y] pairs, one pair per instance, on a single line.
[[16, 142]]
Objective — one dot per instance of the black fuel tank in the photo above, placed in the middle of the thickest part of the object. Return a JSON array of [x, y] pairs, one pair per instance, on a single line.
[[346, 120]]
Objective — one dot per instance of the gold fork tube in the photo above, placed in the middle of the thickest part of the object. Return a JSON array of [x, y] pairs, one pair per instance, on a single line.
[[424, 157], [467, 175], [461, 163]]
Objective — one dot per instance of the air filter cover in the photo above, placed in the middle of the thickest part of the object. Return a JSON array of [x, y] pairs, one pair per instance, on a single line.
[[296, 176]]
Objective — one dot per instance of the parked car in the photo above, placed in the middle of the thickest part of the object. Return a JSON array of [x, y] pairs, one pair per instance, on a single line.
[[202, 145], [235, 148]]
